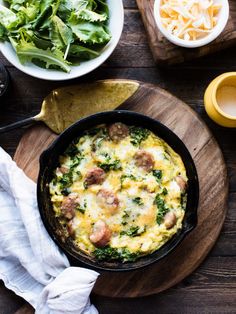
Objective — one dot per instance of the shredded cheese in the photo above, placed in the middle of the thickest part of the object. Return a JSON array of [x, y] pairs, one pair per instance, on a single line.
[[189, 19]]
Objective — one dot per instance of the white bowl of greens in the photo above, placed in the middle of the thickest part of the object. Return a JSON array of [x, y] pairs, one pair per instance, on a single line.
[[59, 39]]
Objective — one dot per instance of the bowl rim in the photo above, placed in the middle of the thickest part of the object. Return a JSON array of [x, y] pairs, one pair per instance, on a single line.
[[45, 74], [173, 242], [217, 30]]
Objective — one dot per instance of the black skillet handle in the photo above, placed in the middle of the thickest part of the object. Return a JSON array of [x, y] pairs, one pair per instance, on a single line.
[[25, 122]]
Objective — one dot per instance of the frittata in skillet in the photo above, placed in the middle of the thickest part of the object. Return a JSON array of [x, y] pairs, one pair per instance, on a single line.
[[120, 192]]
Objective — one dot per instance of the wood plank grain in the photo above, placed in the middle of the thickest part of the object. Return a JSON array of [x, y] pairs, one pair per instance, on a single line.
[[166, 53], [26, 309], [9, 302], [202, 292]]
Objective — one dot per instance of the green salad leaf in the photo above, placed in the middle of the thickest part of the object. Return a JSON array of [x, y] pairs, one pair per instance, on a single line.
[[8, 18], [55, 33], [3, 33], [82, 53], [60, 34], [91, 33], [28, 52]]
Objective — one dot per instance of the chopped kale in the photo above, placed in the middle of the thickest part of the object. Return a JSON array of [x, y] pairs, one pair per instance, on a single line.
[[134, 231], [138, 135], [82, 209], [106, 253], [110, 165], [138, 201], [124, 217], [157, 174], [71, 150], [122, 254], [164, 191], [65, 191], [76, 160], [101, 131], [66, 180], [126, 176], [85, 184], [162, 208], [99, 137], [107, 156]]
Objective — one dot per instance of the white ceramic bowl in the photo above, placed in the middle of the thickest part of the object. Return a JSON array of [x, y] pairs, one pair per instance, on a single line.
[[115, 26], [222, 21]]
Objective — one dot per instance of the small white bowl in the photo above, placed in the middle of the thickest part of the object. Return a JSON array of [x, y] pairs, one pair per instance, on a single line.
[[115, 26], [217, 30]]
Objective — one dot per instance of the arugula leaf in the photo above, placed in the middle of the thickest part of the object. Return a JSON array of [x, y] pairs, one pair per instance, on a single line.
[[83, 53], [88, 15], [91, 33], [30, 12], [8, 18], [42, 21], [102, 8], [82, 4], [40, 41], [28, 51], [3, 33], [16, 4], [60, 34], [64, 10]]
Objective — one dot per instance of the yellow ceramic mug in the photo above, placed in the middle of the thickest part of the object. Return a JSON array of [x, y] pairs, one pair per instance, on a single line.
[[219, 99]]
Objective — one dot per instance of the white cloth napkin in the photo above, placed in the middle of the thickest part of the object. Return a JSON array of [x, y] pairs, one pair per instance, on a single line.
[[30, 262]]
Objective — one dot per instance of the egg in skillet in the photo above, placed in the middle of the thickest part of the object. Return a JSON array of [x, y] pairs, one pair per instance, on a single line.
[[120, 191]]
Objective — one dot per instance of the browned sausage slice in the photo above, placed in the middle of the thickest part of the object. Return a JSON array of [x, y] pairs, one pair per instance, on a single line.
[[108, 199], [101, 234], [144, 160], [118, 131], [170, 220], [95, 176], [69, 205], [181, 183], [63, 169]]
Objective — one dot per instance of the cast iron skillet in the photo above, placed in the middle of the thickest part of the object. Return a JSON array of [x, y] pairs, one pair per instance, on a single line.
[[49, 161]]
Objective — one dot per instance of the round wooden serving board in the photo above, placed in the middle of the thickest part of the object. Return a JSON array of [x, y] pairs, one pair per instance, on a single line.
[[180, 118]]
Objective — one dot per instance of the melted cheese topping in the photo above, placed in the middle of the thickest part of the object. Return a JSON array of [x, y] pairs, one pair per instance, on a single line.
[[189, 19], [137, 224]]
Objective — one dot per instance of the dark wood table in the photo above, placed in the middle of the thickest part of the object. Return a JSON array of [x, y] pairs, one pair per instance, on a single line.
[[212, 287]]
